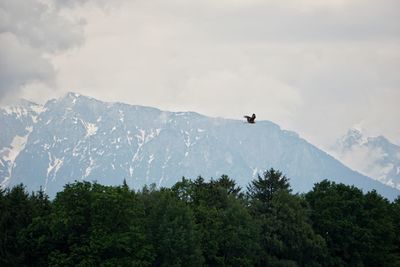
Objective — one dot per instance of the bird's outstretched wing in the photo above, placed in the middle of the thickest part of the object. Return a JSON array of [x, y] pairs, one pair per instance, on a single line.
[[250, 119]]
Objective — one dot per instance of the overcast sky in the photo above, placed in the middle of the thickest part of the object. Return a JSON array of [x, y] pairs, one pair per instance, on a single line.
[[315, 67]]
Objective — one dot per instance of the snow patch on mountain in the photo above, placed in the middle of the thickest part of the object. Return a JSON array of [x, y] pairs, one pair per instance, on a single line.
[[17, 145], [91, 128], [89, 169], [18, 111], [53, 167], [151, 158], [78, 137], [38, 109], [9, 154]]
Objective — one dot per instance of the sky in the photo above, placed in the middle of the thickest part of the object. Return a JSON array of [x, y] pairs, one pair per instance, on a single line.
[[314, 67]]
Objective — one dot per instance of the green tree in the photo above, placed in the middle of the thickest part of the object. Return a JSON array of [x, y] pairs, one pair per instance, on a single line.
[[335, 212], [358, 228], [199, 223], [16, 213], [289, 234], [396, 222], [262, 190], [229, 236], [287, 237], [34, 240], [70, 224], [117, 232], [171, 226], [378, 240], [98, 225]]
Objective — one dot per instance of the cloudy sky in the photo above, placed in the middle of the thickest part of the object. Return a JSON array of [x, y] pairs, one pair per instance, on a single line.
[[315, 67]]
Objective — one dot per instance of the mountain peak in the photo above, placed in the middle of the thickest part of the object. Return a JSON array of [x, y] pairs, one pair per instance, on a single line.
[[354, 132], [352, 137], [80, 137], [374, 156], [72, 95]]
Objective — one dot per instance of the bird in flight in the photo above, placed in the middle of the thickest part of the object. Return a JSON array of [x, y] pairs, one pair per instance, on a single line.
[[251, 119]]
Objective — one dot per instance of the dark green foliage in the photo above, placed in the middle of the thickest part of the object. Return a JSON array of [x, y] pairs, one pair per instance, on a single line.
[[286, 236], [34, 240], [262, 190], [17, 209], [228, 233], [378, 231], [171, 228], [99, 225], [396, 222], [357, 227], [200, 223]]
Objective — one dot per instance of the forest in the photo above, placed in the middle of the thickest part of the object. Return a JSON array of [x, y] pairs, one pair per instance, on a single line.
[[200, 223]]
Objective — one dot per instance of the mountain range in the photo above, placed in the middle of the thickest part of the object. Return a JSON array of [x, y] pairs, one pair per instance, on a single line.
[[375, 157], [80, 138]]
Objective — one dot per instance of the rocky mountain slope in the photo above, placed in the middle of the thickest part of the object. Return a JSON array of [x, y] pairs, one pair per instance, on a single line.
[[77, 137]]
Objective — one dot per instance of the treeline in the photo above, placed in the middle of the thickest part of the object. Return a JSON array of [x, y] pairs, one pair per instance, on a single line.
[[200, 223]]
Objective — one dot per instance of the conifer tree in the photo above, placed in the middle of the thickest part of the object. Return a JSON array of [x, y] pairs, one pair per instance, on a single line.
[[262, 190], [15, 214], [286, 237]]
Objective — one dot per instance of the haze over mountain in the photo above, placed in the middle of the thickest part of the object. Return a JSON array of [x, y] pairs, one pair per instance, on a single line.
[[77, 137], [375, 157]]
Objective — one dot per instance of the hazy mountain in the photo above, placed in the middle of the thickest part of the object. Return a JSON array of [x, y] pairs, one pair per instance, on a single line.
[[77, 137], [376, 157], [16, 124]]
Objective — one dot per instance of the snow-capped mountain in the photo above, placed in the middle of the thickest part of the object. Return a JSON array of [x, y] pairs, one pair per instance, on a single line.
[[375, 157], [16, 124], [77, 137]]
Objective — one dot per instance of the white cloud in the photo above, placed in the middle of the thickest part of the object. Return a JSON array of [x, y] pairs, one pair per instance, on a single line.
[[40, 25], [21, 64], [316, 67], [30, 31]]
